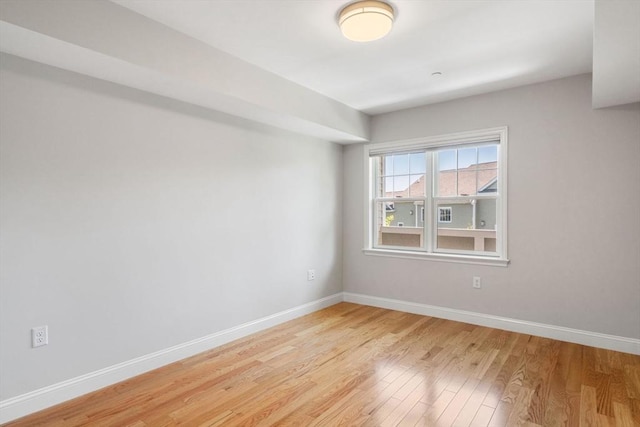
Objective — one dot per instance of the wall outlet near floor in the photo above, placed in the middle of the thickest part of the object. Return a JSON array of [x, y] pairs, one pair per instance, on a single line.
[[476, 282], [39, 336], [311, 275]]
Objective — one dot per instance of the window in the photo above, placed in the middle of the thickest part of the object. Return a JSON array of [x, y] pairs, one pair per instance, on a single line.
[[444, 214], [439, 198]]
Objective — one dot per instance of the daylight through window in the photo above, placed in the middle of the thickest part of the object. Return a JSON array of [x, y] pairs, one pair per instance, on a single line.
[[441, 196]]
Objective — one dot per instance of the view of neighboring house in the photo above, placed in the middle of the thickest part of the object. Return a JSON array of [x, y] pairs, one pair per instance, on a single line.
[[458, 217]]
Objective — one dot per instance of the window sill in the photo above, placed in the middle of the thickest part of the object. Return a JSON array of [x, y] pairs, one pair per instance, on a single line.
[[462, 259]]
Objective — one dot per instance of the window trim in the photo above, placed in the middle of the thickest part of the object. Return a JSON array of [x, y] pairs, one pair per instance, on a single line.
[[440, 141]]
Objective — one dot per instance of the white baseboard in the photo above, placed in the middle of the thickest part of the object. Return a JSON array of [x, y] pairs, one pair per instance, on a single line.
[[594, 339], [28, 403], [34, 401]]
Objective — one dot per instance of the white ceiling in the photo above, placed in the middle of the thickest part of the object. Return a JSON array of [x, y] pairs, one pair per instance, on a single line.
[[479, 46], [284, 63]]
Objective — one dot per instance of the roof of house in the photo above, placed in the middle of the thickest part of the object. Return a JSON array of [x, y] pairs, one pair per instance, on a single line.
[[487, 173]]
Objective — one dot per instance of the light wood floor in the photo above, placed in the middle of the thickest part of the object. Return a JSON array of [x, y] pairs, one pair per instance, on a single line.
[[355, 365]]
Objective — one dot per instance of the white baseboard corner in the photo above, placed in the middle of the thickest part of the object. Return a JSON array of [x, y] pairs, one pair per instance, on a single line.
[[28, 403], [593, 339]]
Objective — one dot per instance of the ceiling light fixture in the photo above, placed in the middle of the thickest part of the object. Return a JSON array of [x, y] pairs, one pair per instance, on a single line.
[[365, 21]]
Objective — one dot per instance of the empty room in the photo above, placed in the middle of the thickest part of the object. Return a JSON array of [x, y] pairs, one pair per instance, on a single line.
[[319, 213]]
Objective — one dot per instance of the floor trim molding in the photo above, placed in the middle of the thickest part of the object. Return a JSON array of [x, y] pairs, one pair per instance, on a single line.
[[594, 339], [28, 403]]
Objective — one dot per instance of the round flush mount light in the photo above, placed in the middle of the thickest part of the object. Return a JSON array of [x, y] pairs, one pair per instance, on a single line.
[[365, 21]]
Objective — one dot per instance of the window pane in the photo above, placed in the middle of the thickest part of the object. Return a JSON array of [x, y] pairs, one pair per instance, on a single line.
[[487, 181], [460, 234], [467, 182], [467, 157], [387, 187], [401, 164], [447, 178], [387, 165], [399, 224], [487, 154], [417, 163], [467, 171], [446, 160], [487, 169], [467, 166], [447, 181], [401, 186], [417, 187], [486, 214]]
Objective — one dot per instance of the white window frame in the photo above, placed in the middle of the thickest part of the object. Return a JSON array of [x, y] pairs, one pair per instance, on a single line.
[[443, 209], [430, 144]]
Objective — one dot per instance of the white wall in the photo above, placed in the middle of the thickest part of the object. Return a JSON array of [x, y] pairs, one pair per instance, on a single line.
[[119, 213], [119, 221], [574, 212]]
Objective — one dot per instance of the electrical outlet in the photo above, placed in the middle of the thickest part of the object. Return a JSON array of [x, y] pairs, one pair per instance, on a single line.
[[311, 275], [476, 282], [39, 336]]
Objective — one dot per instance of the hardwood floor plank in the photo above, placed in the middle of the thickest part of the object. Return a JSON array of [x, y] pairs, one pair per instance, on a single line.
[[494, 396], [485, 363], [472, 405], [632, 381], [501, 414], [588, 407], [401, 411], [384, 411], [414, 416], [353, 365], [483, 416], [519, 415], [622, 415], [541, 381], [438, 408], [604, 400], [459, 401]]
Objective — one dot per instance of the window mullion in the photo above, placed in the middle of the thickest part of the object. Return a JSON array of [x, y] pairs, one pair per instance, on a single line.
[[430, 179], [376, 175], [457, 174], [475, 189]]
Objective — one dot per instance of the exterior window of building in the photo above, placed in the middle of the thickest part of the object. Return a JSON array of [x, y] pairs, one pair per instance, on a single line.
[[444, 214], [440, 198]]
